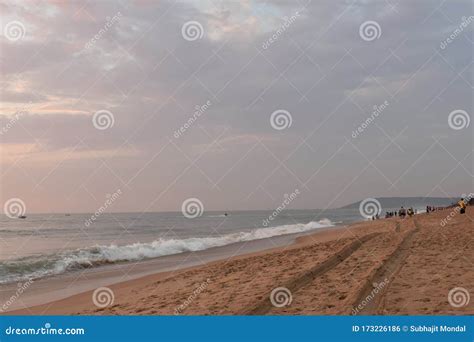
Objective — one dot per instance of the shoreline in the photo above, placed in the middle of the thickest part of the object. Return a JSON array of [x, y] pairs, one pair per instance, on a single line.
[[328, 271], [51, 288]]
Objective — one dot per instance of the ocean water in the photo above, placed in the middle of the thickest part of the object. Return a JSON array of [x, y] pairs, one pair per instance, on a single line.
[[50, 244]]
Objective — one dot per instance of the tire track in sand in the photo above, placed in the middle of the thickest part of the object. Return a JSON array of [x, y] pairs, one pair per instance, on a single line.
[[304, 279], [385, 273]]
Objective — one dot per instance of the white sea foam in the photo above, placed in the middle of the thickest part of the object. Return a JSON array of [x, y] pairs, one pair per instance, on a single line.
[[40, 266]]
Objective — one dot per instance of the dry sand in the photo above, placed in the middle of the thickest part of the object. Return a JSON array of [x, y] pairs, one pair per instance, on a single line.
[[388, 266]]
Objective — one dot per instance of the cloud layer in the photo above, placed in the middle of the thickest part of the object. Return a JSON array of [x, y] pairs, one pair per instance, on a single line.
[[219, 88]]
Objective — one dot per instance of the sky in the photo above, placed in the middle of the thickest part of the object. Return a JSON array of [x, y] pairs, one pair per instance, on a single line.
[[236, 104]]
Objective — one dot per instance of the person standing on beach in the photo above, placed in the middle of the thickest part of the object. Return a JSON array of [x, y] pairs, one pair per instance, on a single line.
[[462, 206], [402, 212]]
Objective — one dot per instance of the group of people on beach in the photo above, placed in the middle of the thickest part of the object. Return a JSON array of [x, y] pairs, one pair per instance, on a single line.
[[402, 212], [460, 205], [430, 208]]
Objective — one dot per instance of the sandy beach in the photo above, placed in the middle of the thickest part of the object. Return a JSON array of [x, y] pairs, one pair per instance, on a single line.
[[412, 264]]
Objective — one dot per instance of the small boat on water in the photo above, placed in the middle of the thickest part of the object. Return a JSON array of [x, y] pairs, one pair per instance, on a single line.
[[22, 217]]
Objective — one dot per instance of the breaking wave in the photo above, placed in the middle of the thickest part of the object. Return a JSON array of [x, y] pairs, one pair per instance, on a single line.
[[52, 264]]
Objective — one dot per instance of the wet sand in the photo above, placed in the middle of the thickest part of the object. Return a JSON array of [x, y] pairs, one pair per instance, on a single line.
[[389, 266]]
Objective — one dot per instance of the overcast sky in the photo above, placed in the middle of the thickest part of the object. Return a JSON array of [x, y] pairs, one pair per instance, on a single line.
[[322, 66]]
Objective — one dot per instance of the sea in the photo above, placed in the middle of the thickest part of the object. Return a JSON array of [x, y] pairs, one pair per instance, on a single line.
[[44, 245]]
